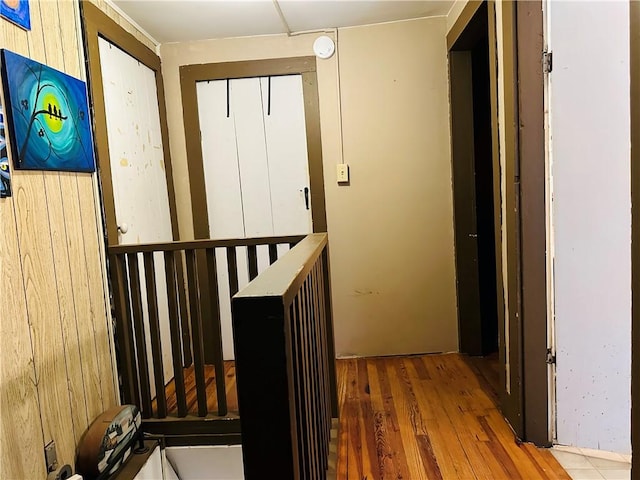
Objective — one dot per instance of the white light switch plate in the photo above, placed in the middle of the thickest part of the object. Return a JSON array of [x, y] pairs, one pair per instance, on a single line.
[[342, 172]]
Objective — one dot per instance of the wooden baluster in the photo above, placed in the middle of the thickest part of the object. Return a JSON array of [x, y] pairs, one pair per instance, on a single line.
[[326, 296], [305, 373], [174, 327], [216, 328], [273, 253], [326, 420], [321, 362], [154, 333], [187, 357], [252, 258], [327, 357], [196, 331], [124, 330], [232, 269], [138, 326], [313, 377], [326, 348], [297, 355]]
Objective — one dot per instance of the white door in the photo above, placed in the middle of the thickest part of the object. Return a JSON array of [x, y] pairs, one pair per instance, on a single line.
[[286, 145], [137, 171], [254, 150]]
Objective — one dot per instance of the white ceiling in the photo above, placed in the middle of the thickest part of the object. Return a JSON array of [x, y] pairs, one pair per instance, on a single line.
[[186, 20]]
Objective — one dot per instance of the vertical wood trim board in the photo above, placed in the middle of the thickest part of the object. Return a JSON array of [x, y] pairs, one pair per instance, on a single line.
[[635, 231], [56, 370], [531, 145], [508, 119], [497, 189]]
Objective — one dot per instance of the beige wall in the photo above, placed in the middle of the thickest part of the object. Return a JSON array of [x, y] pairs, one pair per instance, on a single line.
[[391, 230], [56, 370]]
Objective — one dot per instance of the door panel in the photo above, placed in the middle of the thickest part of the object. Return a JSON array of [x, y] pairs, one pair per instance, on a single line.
[[246, 108], [464, 203], [220, 158], [286, 140], [254, 153], [137, 169]]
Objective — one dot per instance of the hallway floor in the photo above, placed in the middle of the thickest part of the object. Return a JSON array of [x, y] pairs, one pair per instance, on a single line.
[[428, 417], [585, 464]]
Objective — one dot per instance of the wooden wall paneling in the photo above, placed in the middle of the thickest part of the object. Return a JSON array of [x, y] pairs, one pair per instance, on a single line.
[[56, 331], [39, 270], [20, 422], [54, 56], [76, 237], [90, 212], [100, 314]]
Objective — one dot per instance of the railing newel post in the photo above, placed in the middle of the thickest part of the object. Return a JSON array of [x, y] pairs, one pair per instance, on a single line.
[[281, 327]]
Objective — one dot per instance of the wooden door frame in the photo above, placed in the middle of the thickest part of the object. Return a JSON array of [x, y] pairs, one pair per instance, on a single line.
[[524, 165], [634, 14], [191, 74], [533, 219], [98, 24]]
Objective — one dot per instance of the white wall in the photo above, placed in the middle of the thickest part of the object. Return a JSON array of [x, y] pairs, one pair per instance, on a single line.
[[591, 176]]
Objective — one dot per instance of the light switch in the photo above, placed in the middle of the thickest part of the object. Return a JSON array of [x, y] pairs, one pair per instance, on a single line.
[[342, 172]]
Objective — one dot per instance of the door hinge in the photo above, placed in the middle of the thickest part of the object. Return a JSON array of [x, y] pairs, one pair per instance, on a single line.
[[547, 62], [551, 357]]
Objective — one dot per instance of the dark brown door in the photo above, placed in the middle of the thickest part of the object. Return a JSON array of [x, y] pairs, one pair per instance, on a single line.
[[473, 186], [464, 197]]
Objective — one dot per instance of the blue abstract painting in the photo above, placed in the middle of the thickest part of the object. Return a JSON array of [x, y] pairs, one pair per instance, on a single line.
[[47, 117], [5, 171], [16, 11]]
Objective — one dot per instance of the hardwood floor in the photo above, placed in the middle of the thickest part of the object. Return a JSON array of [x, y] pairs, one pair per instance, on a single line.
[[487, 369], [212, 400], [428, 417], [415, 418]]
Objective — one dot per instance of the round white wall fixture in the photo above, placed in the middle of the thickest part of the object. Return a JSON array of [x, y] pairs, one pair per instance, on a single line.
[[324, 47]]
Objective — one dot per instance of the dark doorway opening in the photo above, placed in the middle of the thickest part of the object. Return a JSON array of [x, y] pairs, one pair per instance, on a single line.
[[473, 187], [506, 265]]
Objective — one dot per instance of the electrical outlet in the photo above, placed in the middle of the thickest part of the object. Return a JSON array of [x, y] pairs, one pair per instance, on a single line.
[[50, 456], [342, 172]]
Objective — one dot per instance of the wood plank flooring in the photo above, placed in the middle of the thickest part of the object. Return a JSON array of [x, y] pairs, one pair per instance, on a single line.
[[212, 398], [428, 417]]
